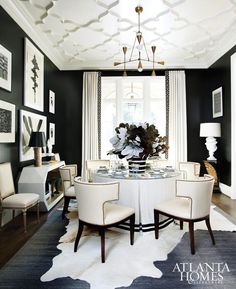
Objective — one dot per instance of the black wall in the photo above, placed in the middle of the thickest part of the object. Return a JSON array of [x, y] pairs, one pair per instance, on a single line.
[[200, 84], [67, 88]]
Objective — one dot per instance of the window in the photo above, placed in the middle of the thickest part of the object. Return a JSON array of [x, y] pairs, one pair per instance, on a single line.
[[131, 99]]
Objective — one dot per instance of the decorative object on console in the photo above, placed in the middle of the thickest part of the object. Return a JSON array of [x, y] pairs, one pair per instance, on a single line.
[[5, 68], [30, 122], [34, 77], [210, 130], [139, 43], [7, 121], [217, 103], [51, 101], [37, 141]]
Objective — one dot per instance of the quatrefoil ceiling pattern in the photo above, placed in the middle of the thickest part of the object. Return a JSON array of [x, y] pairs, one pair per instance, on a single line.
[[89, 34]]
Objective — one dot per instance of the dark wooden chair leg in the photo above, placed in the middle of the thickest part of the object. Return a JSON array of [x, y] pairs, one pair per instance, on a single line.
[[65, 207], [210, 230], [156, 223], [191, 236], [132, 221], [80, 230], [1, 213], [102, 234], [24, 220], [38, 212], [181, 223]]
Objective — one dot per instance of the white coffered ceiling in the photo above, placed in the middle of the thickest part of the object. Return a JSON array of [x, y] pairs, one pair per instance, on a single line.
[[89, 34]]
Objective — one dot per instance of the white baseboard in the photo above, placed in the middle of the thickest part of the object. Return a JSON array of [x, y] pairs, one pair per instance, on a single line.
[[225, 189]]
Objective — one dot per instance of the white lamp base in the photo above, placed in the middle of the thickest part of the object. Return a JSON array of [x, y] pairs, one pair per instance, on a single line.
[[212, 147]]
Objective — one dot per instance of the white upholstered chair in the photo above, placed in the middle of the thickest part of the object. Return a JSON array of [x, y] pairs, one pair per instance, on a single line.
[[190, 170], [10, 200], [92, 165], [95, 208], [68, 173], [191, 204]]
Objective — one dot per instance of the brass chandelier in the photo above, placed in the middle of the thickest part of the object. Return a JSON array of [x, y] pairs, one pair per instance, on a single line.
[[139, 40]]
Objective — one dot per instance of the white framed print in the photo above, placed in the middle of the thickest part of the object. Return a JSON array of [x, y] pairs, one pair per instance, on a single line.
[[5, 68], [7, 122], [52, 133], [51, 101], [29, 122], [217, 103], [33, 77]]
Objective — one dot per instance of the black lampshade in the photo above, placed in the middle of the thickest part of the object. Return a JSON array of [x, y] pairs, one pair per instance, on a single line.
[[37, 139]]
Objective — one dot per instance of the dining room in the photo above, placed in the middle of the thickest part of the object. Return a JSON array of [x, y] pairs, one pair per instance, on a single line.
[[117, 136]]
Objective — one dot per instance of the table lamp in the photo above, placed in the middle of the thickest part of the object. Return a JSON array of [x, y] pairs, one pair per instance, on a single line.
[[37, 141], [210, 130]]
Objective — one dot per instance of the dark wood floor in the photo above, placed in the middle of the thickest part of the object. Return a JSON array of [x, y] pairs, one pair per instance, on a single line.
[[225, 203], [12, 236]]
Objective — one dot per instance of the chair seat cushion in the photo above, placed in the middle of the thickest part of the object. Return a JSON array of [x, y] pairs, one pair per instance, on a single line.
[[70, 192], [178, 207], [115, 213], [20, 201]]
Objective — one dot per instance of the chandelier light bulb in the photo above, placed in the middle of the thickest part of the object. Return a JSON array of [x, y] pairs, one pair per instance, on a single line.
[[139, 47]]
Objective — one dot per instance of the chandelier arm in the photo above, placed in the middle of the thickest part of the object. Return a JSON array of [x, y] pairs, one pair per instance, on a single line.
[[148, 60], [144, 44], [131, 54]]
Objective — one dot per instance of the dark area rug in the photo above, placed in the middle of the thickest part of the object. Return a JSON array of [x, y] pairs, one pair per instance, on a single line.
[[24, 270]]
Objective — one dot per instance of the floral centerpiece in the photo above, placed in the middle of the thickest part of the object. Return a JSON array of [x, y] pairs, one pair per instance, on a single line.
[[138, 141]]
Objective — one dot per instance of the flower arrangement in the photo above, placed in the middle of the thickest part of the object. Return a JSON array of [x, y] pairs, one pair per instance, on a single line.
[[138, 141]]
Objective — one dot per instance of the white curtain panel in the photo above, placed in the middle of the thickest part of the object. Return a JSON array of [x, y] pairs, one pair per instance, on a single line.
[[177, 118], [89, 119]]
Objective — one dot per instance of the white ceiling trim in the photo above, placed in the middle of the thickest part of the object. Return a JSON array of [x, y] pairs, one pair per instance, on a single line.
[[24, 19], [18, 13]]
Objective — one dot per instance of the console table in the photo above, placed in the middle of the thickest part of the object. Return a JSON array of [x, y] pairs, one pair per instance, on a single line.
[[34, 180]]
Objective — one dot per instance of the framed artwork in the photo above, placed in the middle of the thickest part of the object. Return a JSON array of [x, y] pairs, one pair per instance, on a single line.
[[34, 77], [30, 122], [7, 122], [52, 133], [51, 101], [217, 103], [5, 68]]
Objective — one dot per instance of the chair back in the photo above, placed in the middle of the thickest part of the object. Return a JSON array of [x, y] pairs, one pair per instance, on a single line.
[[6, 181], [199, 191], [190, 170], [68, 173], [93, 165], [91, 198]]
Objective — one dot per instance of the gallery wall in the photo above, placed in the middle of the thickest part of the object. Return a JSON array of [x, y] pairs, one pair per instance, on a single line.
[[65, 85]]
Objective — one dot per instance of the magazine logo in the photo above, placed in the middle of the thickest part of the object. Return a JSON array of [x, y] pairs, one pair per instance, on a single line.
[[201, 273]]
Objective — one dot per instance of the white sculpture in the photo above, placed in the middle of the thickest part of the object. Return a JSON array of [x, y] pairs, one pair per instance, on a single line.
[[49, 146]]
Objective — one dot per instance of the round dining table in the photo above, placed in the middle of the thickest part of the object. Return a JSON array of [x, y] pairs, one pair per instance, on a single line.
[[142, 192]]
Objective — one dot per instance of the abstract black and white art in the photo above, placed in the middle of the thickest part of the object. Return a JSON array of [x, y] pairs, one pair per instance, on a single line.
[[52, 133], [7, 122], [217, 103], [5, 68], [34, 77], [51, 101], [30, 122]]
